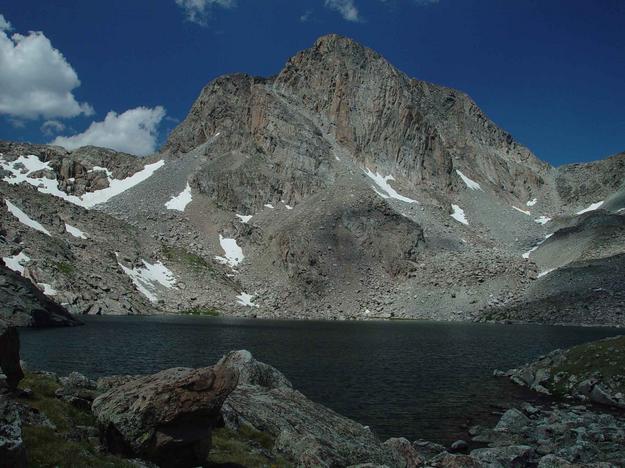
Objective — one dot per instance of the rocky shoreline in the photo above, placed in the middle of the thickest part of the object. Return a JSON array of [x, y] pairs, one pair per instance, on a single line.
[[242, 412]]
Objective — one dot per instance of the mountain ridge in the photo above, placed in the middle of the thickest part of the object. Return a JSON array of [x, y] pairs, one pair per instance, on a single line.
[[338, 188]]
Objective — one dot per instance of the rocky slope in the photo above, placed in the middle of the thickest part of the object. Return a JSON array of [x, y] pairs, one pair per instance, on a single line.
[[338, 188]]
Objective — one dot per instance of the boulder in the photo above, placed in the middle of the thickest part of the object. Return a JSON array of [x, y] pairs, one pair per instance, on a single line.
[[12, 452], [510, 456], [253, 372], [512, 421], [77, 390], [168, 417], [427, 449], [10, 355], [459, 446], [405, 452]]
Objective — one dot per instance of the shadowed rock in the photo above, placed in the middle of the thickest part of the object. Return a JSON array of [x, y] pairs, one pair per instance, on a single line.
[[10, 355], [22, 304]]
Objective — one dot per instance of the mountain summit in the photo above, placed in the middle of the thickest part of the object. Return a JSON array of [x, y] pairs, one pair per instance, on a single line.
[[338, 188]]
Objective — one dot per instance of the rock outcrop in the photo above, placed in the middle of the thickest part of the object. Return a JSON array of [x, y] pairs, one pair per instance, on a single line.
[[588, 372], [22, 304], [167, 417], [305, 432], [10, 355]]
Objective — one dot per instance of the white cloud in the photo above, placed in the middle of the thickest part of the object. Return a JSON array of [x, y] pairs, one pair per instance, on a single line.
[[134, 131], [305, 17], [35, 79], [346, 8], [4, 24], [197, 11], [50, 127]]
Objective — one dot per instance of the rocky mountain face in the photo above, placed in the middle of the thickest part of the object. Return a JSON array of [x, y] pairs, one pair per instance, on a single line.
[[338, 188]]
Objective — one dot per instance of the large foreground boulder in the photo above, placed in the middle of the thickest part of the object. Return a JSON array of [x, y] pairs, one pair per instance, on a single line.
[[10, 355], [305, 432], [167, 417]]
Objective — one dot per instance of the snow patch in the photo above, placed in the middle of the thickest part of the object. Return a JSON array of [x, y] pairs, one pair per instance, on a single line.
[[147, 277], [17, 262], [25, 219], [269, 205], [546, 272], [47, 289], [288, 207], [528, 253], [542, 220], [244, 218], [74, 231], [117, 186], [245, 299], [23, 168], [522, 211], [592, 207], [180, 201], [101, 169], [233, 253], [458, 214], [473, 185], [383, 187], [532, 202]]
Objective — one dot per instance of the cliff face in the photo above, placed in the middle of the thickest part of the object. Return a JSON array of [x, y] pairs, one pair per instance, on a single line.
[[383, 118]]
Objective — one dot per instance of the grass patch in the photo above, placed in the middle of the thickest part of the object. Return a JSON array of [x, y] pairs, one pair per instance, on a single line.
[[47, 447], [248, 447], [605, 356], [65, 267], [201, 311], [62, 414], [180, 255]]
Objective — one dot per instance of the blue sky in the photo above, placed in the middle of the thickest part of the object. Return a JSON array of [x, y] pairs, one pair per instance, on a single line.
[[550, 72]]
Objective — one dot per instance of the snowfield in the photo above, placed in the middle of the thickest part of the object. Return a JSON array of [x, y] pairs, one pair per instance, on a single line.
[[148, 277], [245, 299], [25, 219], [542, 220], [529, 252], [384, 189], [23, 168], [593, 207], [233, 254], [244, 218], [471, 184], [74, 231], [180, 201], [522, 211], [459, 215], [17, 262]]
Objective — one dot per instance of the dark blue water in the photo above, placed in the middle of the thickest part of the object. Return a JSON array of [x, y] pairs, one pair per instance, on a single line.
[[413, 379]]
